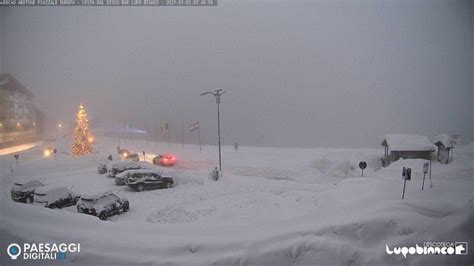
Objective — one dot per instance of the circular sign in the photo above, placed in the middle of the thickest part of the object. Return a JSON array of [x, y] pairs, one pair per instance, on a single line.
[[362, 165]]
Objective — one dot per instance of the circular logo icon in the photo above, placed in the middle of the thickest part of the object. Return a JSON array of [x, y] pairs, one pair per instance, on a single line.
[[14, 250]]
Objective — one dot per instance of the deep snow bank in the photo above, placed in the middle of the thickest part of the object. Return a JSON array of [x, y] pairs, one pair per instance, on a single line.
[[308, 214]]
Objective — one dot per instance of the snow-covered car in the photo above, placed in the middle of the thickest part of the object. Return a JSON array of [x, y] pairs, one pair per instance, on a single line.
[[24, 192], [116, 167], [164, 160], [132, 157], [102, 169], [148, 180], [103, 204], [55, 196], [120, 179]]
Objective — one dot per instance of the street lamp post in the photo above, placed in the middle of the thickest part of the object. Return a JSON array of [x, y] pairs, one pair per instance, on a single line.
[[58, 131], [217, 94]]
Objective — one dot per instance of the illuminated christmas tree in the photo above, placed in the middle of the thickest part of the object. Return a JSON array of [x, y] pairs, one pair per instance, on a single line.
[[81, 138]]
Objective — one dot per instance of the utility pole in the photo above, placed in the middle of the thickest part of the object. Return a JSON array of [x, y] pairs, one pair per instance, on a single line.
[[217, 94]]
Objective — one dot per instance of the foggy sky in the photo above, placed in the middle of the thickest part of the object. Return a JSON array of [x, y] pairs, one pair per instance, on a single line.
[[305, 73]]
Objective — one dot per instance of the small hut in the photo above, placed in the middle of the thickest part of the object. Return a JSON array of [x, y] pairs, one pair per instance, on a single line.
[[444, 143], [407, 147]]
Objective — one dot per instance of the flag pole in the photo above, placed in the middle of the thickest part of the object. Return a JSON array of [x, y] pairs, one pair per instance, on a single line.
[[125, 135], [199, 136], [156, 135], [119, 134], [169, 135], [146, 135]]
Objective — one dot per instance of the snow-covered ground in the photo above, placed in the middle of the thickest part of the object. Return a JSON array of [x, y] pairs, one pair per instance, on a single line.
[[272, 206]]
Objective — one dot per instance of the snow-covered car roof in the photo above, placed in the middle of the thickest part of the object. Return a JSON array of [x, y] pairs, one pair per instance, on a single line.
[[407, 142], [136, 171], [444, 139], [105, 161], [96, 194], [119, 164], [47, 188], [29, 184]]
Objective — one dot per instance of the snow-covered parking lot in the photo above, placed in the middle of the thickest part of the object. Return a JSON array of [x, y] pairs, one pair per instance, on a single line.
[[272, 206]]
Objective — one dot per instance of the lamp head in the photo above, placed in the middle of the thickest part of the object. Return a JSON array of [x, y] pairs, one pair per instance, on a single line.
[[205, 92]]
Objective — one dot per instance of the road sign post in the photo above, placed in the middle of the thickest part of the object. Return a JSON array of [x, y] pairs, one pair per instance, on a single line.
[[425, 171], [362, 166], [16, 158], [431, 181], [406, 175]]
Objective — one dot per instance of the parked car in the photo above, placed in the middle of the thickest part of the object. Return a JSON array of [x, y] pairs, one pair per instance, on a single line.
[[141, 180], [54, 196], [102, 169], [164, 160], [132, 157], [120, 179], [102, 205], [24, 192], [116, 167]]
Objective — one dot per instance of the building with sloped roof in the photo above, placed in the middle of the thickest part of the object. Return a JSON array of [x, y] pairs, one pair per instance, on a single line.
[[406, 146], [444, 142]]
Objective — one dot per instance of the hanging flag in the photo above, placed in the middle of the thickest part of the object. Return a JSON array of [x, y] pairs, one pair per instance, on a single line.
[[164, 127], [194, 126]]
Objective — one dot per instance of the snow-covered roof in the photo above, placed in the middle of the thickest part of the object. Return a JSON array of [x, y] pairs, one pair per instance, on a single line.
[[443, 139], [407, 142], [47, 188], [122, 164], [134, 171], [95, 194]]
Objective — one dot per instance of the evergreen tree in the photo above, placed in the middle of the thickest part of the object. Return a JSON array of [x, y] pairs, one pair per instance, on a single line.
[[81, 138]]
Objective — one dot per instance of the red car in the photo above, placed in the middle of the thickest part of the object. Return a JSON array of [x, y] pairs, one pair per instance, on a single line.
[[164, 160]]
